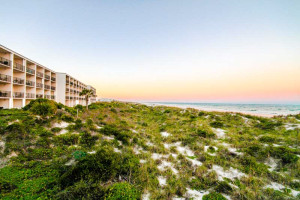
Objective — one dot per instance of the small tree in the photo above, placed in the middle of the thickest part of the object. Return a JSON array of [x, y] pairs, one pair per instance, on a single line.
[[87, 94]]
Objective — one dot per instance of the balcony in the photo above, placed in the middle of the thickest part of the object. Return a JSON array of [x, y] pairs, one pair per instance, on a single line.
[[53, 88], [48, 96], [39, 85], [5, 62], [67, 97], [19, 67], [53, 79], [39, 96], [71, 91], [67, 90], [67, 82], [47, 87], [18, 81], [40, 74], [52, 97], [5, 78], [71, 83], [30, 83], [5, 94], [47, 77], [30, 95], [30, 71], [18, 95]]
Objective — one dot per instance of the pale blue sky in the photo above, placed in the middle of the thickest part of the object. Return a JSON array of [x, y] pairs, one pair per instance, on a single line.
[[164, 50]]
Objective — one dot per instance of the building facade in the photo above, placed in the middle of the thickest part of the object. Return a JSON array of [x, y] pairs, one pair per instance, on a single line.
[[22, 80]]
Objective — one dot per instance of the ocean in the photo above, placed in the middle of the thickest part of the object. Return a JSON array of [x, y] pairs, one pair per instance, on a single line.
[[252, 109]]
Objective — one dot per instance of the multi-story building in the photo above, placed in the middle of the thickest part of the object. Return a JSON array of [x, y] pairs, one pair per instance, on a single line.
[[22, 80]]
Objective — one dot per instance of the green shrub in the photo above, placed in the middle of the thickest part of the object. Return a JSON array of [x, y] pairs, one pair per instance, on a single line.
[[217, 124], [223, 187], [67, 118], [82, 190], [253, 167], [95, 106], [79, 155], [6, 186], [67, 139], [120, 134], [213, 196], [266, 124], [77, 126], [71, 110], [113, 110], [256, 150], [79, 107], [42, 107], [201, 113], [104, 165], [285, 154], [204, 133], [89, 123], [87, 139], [56, 129], [122, 191], [267, 139], [35, 180], [211, 149]]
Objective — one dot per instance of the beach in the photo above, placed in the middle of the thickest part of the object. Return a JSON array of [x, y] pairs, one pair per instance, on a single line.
[[263, 110]]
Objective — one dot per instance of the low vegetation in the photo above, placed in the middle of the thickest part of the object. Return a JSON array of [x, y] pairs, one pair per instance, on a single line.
[[118, 150]]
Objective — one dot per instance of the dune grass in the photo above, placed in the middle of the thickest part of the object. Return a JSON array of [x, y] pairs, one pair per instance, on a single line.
[[119, 150]]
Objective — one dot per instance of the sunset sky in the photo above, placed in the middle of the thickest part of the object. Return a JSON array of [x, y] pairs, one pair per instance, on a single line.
[[165, 50]]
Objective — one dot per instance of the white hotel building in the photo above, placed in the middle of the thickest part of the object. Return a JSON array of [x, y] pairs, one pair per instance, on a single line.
[[22, 80]]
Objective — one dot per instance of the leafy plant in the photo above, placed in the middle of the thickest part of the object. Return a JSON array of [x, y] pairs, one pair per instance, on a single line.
[[213, 196], [42, 107], [122, 191]]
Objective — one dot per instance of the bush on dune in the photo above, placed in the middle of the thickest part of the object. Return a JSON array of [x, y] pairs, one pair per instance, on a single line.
[[213, 196], [42, 107], [120, 134], [124, 191], [102, 166], [217, 124], [267, 124]]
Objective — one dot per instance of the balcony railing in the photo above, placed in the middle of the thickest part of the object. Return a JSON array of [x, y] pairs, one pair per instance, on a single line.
[[53, 88], [30, 83], [47, 87], [18, 81], [5, 78], [5, 94], [53, 79], [47, 77], [6, 62], [30, 95], [18, 95], [71, 83], [67, 97], [39, 85], [67, 90], [30, 71], [52, 96], [39, 96], [40, 74], [48, 96], [71, 91], [67, 82], [19, 67], [71, 98]]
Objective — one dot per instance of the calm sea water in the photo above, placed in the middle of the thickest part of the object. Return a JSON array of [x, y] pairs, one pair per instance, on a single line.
[[255, 109]]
